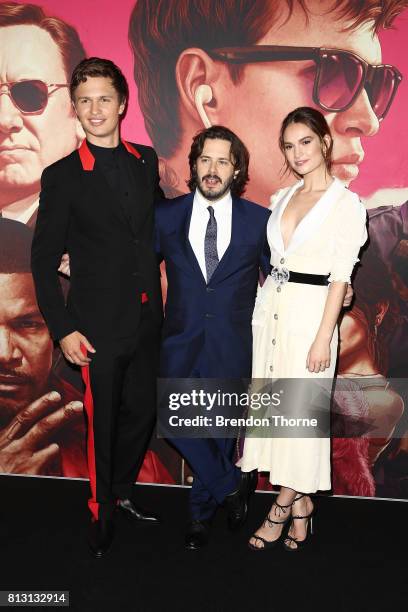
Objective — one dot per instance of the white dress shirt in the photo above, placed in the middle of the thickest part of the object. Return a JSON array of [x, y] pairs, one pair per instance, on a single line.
[[199, 221]]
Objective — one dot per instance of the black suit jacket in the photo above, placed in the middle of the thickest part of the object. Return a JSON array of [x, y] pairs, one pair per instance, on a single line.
[[111, 250]]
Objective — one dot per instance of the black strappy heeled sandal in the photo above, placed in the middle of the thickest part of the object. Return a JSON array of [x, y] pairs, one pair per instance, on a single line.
[[309, 529], [271, 543]]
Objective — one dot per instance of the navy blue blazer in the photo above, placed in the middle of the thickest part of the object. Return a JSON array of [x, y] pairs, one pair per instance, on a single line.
[[207, 330]]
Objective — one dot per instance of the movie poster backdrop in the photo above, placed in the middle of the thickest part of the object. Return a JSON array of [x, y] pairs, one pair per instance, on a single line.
[[261, 58]]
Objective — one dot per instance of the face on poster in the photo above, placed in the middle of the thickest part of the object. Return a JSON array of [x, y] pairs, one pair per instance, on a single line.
[[37, 122], [250, 97]]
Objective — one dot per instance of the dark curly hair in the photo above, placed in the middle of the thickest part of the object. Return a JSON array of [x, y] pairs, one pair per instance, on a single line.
[[239, 155]]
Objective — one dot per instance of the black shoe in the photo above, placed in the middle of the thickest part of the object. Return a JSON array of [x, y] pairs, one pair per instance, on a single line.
[[197, 535], [100, 536], [299, 544], [266, 544], [137, 514], [237, 502]]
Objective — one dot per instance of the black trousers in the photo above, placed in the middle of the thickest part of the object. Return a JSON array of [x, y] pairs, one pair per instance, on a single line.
[[120, 405]]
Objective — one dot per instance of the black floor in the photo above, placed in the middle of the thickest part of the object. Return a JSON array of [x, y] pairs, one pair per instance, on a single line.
[[357, 561]]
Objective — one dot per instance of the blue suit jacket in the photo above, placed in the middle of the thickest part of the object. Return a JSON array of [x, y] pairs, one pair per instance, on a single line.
[[207, 329]]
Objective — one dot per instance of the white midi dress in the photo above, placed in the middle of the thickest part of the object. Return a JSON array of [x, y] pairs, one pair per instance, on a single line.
[[286, 320]]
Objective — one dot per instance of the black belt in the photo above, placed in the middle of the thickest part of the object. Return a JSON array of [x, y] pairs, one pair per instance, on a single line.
[[308, 279]]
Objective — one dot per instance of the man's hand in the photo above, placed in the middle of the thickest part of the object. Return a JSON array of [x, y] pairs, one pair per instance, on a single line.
[[26, 445], [348, 297], [64, 265], [71, 346]]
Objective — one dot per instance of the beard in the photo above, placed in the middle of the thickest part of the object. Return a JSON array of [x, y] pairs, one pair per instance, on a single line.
[[214, 194]]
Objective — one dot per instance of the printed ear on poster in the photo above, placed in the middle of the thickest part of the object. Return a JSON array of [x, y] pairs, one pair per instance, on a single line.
[[203, 95], [197, 76]]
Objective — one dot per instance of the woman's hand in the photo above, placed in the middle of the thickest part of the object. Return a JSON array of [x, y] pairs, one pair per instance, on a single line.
[[318, 358]]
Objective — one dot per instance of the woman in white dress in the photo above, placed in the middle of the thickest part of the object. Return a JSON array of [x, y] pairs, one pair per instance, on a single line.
[[315, 233]]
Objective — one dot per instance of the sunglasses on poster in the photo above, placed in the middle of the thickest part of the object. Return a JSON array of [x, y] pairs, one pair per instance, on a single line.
[[30, 96], [339, 75]]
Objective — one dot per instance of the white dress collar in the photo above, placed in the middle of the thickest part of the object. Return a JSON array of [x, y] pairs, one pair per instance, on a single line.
[[310, 222]]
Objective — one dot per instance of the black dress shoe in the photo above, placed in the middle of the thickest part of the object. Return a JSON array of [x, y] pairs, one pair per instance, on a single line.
[[100, 536], [137, 514], [197, 535], [237, 502]]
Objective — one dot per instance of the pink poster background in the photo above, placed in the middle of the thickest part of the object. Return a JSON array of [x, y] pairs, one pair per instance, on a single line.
[[103, 28]]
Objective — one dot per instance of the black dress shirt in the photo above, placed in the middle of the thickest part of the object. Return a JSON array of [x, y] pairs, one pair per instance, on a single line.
[[114, 164]]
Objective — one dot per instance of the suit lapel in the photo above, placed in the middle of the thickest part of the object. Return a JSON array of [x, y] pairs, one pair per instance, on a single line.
[[184, 240]]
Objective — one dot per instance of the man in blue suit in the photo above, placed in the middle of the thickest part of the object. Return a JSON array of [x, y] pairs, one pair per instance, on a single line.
[[214, 244]]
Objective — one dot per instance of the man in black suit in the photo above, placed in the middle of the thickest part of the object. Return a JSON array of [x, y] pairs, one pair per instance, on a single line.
[[97, 204]]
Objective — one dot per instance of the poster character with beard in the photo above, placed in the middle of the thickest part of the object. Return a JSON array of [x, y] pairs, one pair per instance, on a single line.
[[41, 416]]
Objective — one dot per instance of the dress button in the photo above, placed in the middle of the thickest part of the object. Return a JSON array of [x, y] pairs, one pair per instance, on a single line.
[[209, 289], [208, 315], [275, 316], [282, 261], [279, 289], [274, 342], [271, 368]]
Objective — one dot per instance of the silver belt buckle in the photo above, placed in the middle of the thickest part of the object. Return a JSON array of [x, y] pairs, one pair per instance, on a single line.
[[280, 276]]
